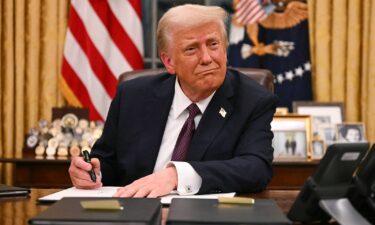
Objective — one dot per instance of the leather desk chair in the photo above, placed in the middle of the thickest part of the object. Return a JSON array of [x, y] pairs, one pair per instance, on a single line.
[[262, 76]]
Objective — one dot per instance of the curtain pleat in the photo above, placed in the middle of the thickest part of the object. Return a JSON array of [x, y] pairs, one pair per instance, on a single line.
[[33, 63], [339, 23], [20, 62], [7, 90], [369, 85], [62, 24], [1, 92], [49, 71], [322, 40], [365, 57], [353, 72], [312, 20]]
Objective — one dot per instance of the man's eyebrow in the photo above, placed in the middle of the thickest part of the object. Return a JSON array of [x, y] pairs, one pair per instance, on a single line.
[[188, 41], [213, 39], [189, 44]]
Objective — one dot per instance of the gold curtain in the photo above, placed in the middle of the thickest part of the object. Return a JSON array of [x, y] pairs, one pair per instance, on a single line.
[[342, 43], [32, 34]]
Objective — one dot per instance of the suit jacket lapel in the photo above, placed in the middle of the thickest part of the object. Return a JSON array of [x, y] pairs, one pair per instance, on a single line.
[[154, 120], [217, 113]]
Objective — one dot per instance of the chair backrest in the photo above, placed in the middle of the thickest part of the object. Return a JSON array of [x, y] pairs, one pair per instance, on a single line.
[[262, 76]]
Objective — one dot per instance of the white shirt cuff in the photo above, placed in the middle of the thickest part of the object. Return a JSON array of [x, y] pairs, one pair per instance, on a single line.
[[188, 180]]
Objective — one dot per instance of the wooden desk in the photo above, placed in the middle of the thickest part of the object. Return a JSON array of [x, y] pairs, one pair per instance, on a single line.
[[17, 211], [291, 175], [53, 173]]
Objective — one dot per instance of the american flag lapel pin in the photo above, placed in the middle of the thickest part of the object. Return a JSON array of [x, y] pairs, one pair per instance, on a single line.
[[222, 112]]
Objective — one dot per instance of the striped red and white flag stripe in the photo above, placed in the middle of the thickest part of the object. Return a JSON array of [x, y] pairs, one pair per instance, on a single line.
[[249, 12], [104, 39]]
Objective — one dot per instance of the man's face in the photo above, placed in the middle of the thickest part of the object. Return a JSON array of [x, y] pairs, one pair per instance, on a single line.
[[352, 135], [198, 57]]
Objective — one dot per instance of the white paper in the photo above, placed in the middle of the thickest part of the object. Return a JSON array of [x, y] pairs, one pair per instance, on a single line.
[[102, 192], [109, 191]]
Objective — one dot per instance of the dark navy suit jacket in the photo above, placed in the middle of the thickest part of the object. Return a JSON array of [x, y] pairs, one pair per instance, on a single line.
[[231, 153]]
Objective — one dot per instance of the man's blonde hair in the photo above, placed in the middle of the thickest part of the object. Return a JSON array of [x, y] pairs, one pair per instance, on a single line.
[[189, 15]]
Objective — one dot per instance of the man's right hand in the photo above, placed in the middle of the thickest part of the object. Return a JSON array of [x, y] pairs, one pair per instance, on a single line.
[[79, 173]]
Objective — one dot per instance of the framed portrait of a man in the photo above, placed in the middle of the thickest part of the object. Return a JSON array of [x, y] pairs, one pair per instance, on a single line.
[[291, 137], [350, 132]]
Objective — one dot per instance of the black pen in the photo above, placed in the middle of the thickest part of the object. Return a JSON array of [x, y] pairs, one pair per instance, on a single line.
[[86, 157]]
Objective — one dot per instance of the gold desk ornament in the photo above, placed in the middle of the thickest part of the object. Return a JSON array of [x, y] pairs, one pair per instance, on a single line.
[[83, 123], [43, 123], [31, 140], [74, 151], [69, 121], [62, 151], [50, 151], [53, 143], [57, 123], [40, 149]]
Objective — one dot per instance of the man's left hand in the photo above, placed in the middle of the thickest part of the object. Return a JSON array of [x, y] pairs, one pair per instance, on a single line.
[[151, 186]]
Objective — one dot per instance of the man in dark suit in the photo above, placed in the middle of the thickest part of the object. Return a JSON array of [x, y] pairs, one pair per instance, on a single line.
[[230, 149]]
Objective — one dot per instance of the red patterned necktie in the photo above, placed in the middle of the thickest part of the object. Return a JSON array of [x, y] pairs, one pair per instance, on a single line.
[[186, 133]]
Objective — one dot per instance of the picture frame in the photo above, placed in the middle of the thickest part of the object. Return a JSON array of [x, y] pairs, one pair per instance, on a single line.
[[351, 132], [281, 111], [327, 133], [324, 117], [318, 149], [292, 137]]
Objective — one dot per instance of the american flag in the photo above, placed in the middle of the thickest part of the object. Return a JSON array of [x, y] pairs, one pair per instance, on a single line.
[[252, 11], [104, 39]]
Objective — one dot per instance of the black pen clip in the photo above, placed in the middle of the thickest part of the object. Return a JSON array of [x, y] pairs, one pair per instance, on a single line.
[[86, 156]]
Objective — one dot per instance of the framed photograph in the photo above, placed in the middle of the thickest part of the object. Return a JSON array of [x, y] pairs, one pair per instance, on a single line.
[[350, 132], [324, 117], [292, 139], [327, 133], [318, 149]]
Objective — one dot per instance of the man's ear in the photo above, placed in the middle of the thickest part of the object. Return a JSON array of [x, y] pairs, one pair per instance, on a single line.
[[167, 61]]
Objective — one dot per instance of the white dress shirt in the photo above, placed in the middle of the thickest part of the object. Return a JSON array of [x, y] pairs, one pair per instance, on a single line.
[[188, 180]]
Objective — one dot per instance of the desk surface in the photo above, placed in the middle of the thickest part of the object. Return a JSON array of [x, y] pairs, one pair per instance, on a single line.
[[66, 159], [44, 172], [17, 211]]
